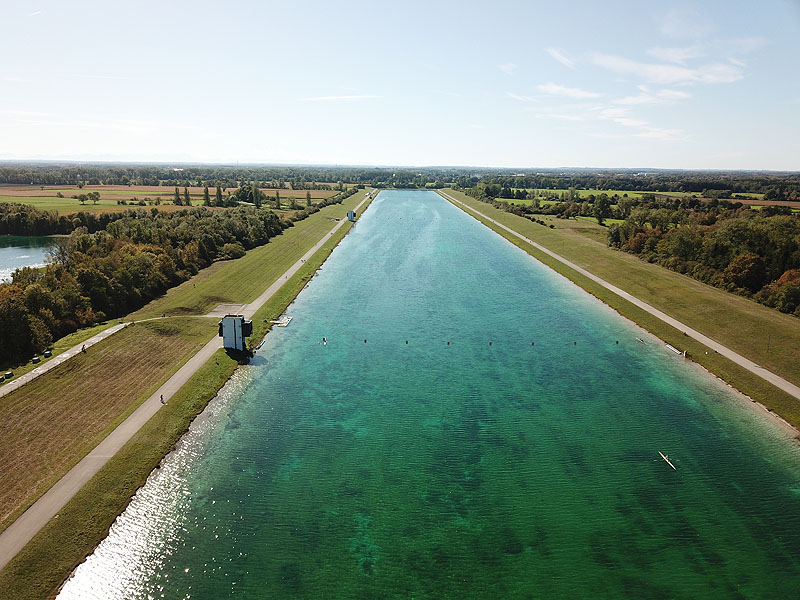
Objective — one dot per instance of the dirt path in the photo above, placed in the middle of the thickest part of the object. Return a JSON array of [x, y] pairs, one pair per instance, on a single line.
[[19, 533], [740, 360]]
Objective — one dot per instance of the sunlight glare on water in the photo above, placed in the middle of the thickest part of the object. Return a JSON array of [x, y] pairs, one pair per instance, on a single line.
[[471, 429]]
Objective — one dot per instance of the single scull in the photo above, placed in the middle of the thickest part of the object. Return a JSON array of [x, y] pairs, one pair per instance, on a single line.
[[666, 458]]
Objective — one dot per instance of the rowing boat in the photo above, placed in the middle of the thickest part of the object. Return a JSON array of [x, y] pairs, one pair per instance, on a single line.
[[666, 458]]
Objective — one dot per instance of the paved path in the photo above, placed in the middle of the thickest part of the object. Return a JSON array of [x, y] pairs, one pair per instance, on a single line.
[[9, 387], [19, 533], [740, 360]]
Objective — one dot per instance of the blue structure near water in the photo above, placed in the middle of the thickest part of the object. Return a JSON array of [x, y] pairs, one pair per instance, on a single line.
[[351, 215]]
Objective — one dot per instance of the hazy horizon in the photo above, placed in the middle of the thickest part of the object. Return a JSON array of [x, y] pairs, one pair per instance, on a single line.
[[682, 86]]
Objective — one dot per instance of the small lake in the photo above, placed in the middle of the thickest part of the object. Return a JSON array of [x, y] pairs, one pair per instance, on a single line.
[[17, 251], [473, 426]]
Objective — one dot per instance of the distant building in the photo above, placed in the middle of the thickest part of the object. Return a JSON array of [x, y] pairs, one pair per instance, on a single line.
[[351, 215], [233, 330]]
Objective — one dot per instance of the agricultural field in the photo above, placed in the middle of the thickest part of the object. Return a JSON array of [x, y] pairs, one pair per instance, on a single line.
[[49, 424], [47, 197]]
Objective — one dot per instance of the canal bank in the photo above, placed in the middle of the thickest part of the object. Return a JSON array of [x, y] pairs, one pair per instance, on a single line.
[[63, 541], [447, 418], [759, 385]]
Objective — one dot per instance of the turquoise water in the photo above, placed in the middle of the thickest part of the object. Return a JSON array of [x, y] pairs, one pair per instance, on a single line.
[[519, 461], [21, 251]]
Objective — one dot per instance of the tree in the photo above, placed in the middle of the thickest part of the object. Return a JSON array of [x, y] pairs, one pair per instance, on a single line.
[[206, 197], [219, 201], [308, 198], [82, 198], [94, 197], [747, 271], [277, 200], [176, 200], [602, 208], [186, 200]]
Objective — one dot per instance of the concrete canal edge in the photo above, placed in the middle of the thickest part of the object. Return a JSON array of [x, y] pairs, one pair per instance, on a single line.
[[743, 375], [41, 553]]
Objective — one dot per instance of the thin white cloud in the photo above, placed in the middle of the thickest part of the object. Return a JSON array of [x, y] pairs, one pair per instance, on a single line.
[[102, 77], [33, 14], [743, 45], [507, 68], [520, 98], [648, 96], [676, 55], [620, 116], [662, 135], [559, 55], [669, 74], [560, 116], [554, 89], [685, 23], [339, 98]]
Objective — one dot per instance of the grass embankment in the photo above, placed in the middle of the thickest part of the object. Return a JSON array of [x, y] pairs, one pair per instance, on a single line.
[[241, 281], [48, 559], [59, 346], [765, 336], [50, 423]]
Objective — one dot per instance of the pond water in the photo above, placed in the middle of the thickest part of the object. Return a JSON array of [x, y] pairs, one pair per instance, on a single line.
[[18, 251], [470, 429]]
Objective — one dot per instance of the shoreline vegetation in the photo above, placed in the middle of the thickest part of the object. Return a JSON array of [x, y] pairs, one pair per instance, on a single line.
[[42, 566], [113, 265], [775, 401]]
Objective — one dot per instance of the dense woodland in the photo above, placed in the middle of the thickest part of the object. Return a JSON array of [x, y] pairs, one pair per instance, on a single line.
[[754, 253], [778, 185], [112, 264]]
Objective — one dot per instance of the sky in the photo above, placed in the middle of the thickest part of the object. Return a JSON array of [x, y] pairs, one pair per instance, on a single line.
[[682, 85]]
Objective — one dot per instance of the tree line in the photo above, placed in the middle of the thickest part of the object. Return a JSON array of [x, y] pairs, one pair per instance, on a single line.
[[754, 253], [120, 263], [744, 251]]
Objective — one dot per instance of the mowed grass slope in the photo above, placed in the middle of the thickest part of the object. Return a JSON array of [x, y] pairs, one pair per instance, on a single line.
[[49, 424], [244, 279], [38, 570], [765, 336]]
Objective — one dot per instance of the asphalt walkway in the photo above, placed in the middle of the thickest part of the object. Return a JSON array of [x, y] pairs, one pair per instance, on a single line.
[[740, 360], [19, 533]]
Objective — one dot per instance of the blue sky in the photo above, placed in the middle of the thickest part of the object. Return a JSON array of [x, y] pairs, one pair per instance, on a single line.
[[705, 85]]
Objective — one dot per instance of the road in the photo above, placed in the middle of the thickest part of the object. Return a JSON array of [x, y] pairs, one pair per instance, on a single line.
[[740, 360], [19, 533]]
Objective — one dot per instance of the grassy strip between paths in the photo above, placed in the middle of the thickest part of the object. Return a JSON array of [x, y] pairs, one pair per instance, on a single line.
[[242, 280], [61, 345], [775, 400], [48, 559], [49, 424]]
